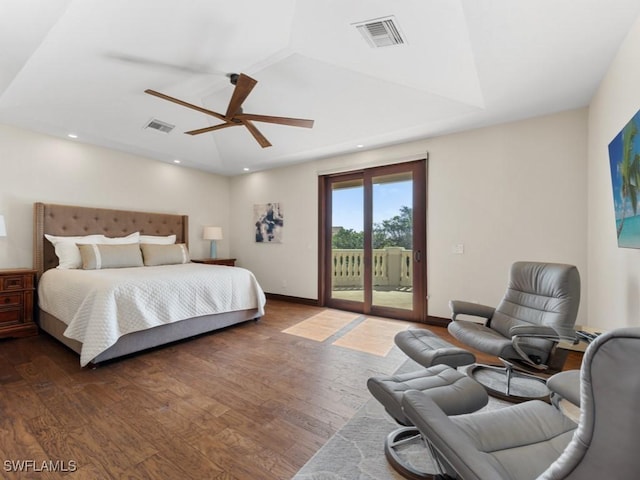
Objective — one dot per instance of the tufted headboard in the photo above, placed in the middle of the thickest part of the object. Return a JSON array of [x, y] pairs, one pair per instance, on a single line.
[[72, 220]]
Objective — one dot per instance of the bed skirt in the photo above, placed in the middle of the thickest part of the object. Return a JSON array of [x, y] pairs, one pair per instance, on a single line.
[[153, 337]]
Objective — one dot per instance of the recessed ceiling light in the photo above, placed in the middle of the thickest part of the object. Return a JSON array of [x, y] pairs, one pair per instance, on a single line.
[[359, 145], [246, 169], [176, 161], [72, 135]]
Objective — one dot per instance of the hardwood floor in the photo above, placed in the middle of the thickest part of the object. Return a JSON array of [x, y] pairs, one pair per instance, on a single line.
[[249, 402]]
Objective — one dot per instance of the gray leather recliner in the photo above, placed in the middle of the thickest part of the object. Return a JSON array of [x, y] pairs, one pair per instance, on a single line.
[[538, 310], [533, 440]]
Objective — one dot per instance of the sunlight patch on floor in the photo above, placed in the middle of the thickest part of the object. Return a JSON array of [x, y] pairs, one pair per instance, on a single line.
[[322, 325], [373, 335]]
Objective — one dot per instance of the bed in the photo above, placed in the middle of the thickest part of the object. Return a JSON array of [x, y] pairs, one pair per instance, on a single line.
[[151, 319]]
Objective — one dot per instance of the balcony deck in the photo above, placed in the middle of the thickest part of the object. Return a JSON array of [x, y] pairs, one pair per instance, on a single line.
[[392, 271], [386, 296]]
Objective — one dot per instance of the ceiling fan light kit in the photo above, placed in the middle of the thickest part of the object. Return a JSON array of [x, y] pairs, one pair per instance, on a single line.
[[234, 116]]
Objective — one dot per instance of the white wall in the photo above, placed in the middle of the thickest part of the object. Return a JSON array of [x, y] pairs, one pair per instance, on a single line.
[[35, 167], [510, 192], [614, 273], [288, 268]]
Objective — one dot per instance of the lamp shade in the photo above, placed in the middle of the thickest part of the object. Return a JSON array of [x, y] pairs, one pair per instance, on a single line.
[[3, 228], [212, 233]]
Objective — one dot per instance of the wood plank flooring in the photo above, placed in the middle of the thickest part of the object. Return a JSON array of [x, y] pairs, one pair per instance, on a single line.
[[248, 402]]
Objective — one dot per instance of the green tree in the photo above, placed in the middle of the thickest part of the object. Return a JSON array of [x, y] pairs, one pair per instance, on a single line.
[[348, 238], [629, 171], [396, 231]]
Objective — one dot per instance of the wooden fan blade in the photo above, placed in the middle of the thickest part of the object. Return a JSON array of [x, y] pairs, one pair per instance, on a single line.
[[294, 122], [264, 143], [244, 85], [190, 67], [211, 129], [185, 104]]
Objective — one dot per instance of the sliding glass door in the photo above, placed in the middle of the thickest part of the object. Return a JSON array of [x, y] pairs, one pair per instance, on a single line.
[[373, 240], [347, 252]]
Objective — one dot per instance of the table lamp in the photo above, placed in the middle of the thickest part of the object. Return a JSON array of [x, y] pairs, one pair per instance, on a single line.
[[213, 234]]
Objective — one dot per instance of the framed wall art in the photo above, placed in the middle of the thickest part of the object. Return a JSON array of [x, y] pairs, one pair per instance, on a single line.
[[268, 222]]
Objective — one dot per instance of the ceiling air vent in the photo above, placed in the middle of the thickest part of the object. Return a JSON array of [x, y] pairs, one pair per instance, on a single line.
[[159, 125], [380, 32]]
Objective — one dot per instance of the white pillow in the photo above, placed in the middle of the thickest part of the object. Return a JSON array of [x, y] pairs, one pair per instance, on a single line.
[[67, 249], [131, 238], [158, 240]]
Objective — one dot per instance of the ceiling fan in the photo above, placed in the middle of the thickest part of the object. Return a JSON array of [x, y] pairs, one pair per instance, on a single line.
[[234, 115]]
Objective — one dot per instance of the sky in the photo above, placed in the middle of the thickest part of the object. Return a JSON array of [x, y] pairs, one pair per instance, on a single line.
[[388, 198]]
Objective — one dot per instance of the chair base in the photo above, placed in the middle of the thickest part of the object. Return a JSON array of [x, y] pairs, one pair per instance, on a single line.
[[504, 383], [397, 438]]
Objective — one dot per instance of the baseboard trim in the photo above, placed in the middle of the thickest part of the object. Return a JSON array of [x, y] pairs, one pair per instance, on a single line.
[[430, 320], [288, 298]]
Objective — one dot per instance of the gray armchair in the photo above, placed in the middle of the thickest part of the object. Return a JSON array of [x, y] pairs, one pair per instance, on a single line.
[[533, 440], [538, 310]]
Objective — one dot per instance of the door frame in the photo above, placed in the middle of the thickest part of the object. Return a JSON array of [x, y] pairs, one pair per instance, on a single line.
[[419, 171]]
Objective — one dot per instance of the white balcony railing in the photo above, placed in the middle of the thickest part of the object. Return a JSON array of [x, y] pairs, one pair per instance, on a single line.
[[391, 266]]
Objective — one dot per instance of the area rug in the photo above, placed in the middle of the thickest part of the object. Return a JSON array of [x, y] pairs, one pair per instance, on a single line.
[[356, 451]]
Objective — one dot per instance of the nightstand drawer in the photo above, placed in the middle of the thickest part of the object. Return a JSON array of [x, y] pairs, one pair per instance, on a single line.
[[10, 299], [15, 282], [9, 317], [17, 292]]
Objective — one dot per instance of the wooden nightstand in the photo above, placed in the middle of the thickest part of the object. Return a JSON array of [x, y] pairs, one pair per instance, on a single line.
[[17, 288], [229, 262]]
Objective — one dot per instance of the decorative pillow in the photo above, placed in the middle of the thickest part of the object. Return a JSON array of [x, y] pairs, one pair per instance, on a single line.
[[164, 254], [158, 240], [99, 256], [67, 250], [67, 247]]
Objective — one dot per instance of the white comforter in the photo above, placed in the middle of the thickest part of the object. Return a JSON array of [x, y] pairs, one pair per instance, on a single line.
[[100, 306]]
